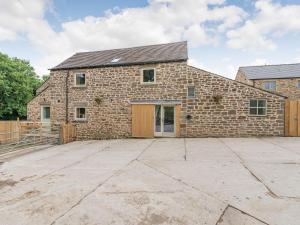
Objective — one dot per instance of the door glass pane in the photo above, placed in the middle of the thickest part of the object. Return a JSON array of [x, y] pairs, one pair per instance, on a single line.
[[157, 118], [168, 119], [46, 113]]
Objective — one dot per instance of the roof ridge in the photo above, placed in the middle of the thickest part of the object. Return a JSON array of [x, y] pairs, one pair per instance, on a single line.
[[282, 64], [166, 52], [141, 46]]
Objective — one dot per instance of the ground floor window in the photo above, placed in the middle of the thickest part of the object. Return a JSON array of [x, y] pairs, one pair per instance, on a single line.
[[45, 114], [80, 113], [258, 107]]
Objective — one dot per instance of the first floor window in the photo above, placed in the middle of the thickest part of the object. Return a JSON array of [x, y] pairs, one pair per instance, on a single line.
[[258, 107], [298, 84], [80, 113], [148, 76], [191, 92], [270, 85], [80, 79]]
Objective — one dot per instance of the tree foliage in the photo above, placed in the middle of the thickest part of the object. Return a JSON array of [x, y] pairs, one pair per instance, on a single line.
[[18, 83]]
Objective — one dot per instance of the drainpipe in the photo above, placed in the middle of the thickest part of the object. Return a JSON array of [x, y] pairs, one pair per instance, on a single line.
[[67, 97]]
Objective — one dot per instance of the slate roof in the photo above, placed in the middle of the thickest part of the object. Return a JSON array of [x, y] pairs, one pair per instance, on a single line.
[[127, 56], [271, 71]]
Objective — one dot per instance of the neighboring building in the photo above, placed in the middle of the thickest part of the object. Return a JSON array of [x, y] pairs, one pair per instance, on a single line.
[[283, 79], [151, 91]]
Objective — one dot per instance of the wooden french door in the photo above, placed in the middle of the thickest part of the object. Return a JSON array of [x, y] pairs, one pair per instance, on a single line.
[[155, 120], [292, 118], [165, 121], [143, 120]]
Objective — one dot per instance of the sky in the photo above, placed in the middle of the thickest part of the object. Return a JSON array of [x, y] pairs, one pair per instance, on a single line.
[[222, 34]]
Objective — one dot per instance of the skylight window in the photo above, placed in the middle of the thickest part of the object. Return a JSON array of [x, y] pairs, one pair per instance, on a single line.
[[115, 60]]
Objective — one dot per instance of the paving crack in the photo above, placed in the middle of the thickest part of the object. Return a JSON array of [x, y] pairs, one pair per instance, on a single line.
[[222, 214], [243, 163], [62, 168], [118, 172], [145, 149], [278, 145], [233, 207], [182, 182]]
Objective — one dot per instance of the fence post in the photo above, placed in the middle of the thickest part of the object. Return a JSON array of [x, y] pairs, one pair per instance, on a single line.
[[18, 125], [61, 133]]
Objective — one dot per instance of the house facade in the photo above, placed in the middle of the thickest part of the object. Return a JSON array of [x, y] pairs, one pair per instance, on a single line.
[[150, 91], [282, 79]]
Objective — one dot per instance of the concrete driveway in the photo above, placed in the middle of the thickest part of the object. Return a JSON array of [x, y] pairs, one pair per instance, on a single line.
[[155, 181]]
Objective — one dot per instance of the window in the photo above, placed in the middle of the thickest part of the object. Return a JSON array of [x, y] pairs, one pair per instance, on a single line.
[[148, 76], [298, 83], [45, 117], [115, 60], [80, 79], [270, 85], [80, 114], [258, 107], [191, 92]]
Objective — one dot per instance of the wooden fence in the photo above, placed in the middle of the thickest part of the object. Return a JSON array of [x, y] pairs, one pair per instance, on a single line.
[[13, 131], [9, 131], [68, 133], [292, 118]]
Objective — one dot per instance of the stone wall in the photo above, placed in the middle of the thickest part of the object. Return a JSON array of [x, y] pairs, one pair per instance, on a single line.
[[117, 86], [230, 117], [52, 94], [286, 87], [241, 77]]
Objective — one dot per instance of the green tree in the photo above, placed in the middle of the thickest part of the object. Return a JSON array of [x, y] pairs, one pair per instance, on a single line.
[[45, 77], [18, 83]]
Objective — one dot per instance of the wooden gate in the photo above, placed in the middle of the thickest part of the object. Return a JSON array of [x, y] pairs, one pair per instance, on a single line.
[[292, 118], [143, 120]]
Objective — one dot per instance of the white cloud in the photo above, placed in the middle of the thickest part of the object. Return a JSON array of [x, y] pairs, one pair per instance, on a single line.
[[231, 16], [20, 16], [197, 35], [225, 67], [230, 71], [270, 20], [196, 63], [158, 22], [259, 62], [249, 37]]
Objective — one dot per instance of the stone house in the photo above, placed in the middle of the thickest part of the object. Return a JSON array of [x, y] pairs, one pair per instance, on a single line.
[[150, 91], [283, 79]]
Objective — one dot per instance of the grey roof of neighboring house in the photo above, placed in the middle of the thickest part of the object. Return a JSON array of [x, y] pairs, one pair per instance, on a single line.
[[127, 56], [271, 71]]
